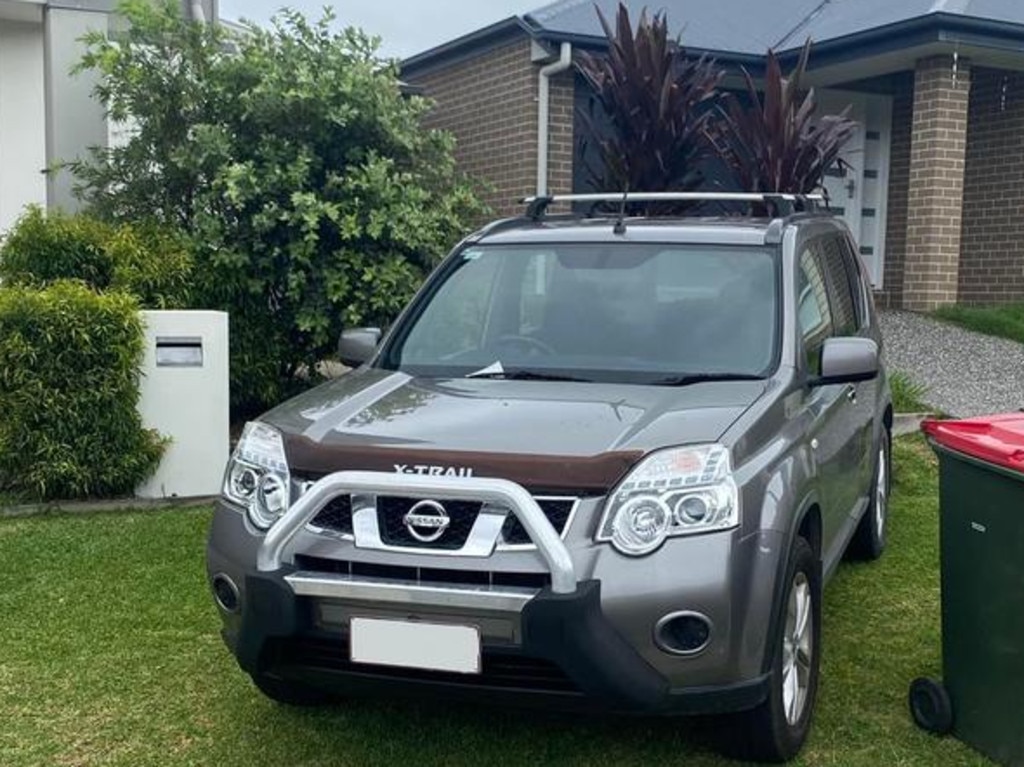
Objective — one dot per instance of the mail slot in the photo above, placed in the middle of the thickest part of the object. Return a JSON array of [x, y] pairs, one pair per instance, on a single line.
[[179, 352]]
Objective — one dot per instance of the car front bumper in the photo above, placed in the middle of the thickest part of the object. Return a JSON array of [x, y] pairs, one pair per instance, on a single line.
[[570, 656], [577, 642]]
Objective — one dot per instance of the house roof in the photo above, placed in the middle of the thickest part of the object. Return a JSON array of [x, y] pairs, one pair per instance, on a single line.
[[738, 32], [779, 24]]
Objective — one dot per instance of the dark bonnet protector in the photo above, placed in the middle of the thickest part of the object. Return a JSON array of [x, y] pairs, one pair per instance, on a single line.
[[589, 475]]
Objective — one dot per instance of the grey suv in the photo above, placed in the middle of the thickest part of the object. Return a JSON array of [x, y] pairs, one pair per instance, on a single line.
[[599, 461]]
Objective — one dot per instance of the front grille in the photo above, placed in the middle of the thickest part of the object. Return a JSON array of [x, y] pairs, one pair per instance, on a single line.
[[557, 510], [393, 531], [336, 515], [431, 575], [391, 511], [498, 669]]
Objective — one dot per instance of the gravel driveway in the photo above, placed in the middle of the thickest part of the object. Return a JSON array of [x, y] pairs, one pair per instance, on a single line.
[[965, 373]]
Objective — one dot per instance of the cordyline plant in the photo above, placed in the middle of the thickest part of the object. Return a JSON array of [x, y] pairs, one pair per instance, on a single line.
[[775, 144], [658, 103]]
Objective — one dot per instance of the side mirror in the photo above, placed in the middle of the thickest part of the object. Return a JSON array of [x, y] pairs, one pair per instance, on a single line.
[[358, 345], [847, 360]]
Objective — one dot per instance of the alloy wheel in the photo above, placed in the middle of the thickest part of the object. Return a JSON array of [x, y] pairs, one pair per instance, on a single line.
[[798, 649]]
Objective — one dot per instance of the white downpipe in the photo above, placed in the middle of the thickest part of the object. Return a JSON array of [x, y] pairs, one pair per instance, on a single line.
[[544, 113], [198, 14]]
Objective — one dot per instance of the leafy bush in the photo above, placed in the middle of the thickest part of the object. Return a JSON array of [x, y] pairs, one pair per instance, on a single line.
[[663, 114], [658, 103], [42, 249], [776, 144], [293, 159], [143, 260], [69, 385]]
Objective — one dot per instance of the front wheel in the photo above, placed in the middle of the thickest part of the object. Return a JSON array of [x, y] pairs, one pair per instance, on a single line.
[[776, 730]]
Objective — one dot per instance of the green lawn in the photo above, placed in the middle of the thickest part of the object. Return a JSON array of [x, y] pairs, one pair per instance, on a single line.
[[1006, 320], [109, 654]]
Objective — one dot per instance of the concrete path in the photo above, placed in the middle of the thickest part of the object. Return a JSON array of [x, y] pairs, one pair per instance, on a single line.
[[966, 373]]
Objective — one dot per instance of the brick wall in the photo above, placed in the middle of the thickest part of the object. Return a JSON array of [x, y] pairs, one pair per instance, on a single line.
[[891, 295], [934, 199], [488, 100], [992, 249]]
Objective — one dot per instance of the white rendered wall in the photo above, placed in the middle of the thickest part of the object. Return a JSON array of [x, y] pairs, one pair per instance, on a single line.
[[22, 119], [188, 404]]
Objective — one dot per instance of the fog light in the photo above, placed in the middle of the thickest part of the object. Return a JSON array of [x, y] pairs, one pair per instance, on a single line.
[[226, 593], [683, 633]]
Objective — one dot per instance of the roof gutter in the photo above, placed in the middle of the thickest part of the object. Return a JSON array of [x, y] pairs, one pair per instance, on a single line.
[[933, 27], [544, 113]]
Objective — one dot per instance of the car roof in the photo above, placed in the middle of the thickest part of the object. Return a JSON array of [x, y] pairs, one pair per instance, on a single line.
[[732, 230]]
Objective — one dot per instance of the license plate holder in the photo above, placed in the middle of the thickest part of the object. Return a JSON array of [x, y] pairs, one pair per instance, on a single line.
[[415, 644]]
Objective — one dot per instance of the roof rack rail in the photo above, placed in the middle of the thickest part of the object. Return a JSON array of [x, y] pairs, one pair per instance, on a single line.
[[537, 206]]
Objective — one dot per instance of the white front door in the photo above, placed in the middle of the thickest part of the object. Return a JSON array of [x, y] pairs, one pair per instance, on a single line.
[[861, 193]]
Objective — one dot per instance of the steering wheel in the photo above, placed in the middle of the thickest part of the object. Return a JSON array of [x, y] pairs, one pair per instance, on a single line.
[[527, 343]]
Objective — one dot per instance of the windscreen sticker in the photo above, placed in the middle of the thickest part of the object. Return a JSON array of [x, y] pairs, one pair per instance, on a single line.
[[472, 254]]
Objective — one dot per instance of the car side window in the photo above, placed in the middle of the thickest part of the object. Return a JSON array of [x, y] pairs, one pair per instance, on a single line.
[[857, 273], [813, 312], [842, 297]]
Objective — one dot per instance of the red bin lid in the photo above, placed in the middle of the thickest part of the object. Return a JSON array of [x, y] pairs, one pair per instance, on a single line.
[[995, 439]]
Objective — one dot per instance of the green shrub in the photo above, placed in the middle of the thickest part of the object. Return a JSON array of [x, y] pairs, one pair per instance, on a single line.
[[152, 264], [42, 249], [316, 197], [143, 260], [69, 386]]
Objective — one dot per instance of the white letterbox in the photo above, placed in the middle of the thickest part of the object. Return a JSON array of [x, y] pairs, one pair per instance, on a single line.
[[184, 396]]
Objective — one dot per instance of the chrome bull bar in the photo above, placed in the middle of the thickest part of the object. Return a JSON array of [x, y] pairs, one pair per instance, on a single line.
[[277, 542]]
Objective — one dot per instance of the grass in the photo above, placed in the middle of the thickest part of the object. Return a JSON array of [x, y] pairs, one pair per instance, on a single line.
[[907, 396], [109, 655], [1005, 320]]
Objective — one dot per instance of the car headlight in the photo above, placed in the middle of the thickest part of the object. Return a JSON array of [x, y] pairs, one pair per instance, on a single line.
[[681, 491], [257, 477]]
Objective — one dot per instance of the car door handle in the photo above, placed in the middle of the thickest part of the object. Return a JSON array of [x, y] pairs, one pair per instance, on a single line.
[[851, 393]]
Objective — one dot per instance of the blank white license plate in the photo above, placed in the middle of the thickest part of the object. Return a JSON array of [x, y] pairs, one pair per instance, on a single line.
[[408, 644]]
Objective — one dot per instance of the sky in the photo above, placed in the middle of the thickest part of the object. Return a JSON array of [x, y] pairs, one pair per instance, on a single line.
[[406, 27]]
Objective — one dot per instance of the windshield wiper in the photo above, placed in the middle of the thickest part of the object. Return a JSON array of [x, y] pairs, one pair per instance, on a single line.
[[525, 375], [695, 378]]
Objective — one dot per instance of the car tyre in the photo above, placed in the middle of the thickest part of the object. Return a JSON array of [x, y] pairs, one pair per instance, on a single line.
[[775, 731], [868, 542], [291, 693]]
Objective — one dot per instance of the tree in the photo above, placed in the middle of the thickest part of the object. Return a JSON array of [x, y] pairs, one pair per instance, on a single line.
[[312, 194], [658, 103]]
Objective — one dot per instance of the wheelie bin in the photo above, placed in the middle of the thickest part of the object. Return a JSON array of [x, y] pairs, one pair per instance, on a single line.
[[981, 501]]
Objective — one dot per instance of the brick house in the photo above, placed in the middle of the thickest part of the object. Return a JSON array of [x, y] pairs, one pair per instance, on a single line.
[[936, 194]]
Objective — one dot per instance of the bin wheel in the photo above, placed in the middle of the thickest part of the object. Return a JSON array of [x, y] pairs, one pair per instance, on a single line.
[[930, 706]]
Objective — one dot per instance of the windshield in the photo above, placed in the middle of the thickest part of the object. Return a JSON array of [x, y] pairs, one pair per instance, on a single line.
[[624, 312]]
